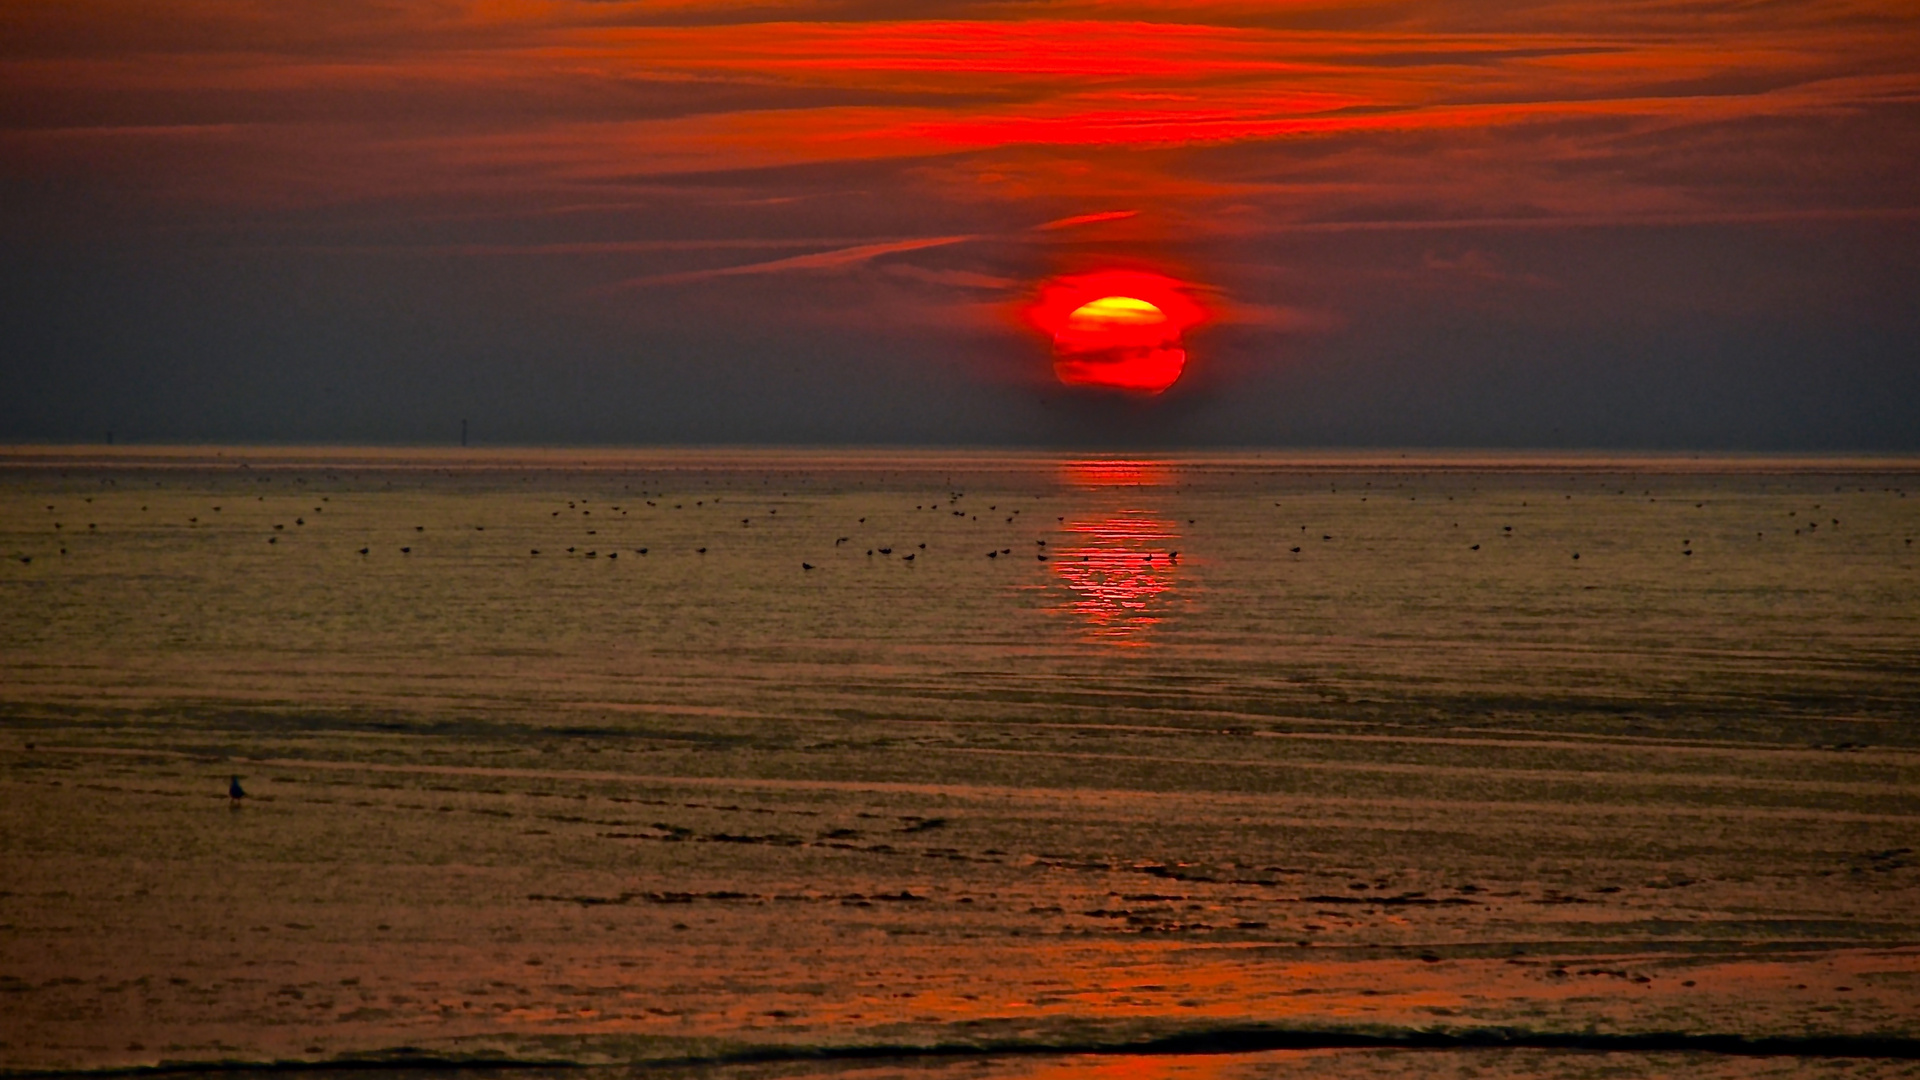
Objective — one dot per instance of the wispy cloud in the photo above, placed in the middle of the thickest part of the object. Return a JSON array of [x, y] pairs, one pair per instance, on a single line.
[[1085, 219], [837, 259]]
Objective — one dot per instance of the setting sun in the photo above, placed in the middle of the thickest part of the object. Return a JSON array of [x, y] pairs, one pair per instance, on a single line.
[[1116, 330], [1120, 343]]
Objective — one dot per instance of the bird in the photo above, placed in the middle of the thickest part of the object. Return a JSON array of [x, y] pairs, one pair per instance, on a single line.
[[906, 558], [806, 566], [841, 540], [363, 551], [235, 791]]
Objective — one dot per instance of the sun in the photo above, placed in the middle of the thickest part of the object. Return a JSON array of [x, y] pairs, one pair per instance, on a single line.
[[1116, 330], [1119, 343]]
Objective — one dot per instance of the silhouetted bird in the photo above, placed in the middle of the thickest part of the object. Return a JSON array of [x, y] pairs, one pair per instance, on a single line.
[[806, 566], [906, 558], [234, 790], [363, 551]]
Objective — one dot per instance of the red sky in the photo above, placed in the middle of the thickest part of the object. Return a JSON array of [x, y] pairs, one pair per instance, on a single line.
[[693, 179]]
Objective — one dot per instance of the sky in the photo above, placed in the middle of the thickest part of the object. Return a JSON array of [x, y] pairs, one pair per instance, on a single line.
[[1568, 223]]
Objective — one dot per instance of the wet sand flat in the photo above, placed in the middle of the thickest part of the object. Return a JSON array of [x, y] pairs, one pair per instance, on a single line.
[[1145, 771]]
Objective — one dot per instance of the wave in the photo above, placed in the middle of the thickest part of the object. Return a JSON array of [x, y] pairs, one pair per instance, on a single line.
[[1238, 1039]]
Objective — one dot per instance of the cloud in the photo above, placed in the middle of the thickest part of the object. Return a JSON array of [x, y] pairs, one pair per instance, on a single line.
[[837, 259], [1086, 219]]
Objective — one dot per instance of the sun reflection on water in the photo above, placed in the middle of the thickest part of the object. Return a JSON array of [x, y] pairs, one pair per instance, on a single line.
[[1119, 563]]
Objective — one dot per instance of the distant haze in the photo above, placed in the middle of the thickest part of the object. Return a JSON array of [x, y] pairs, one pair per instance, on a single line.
[[1524, 224]]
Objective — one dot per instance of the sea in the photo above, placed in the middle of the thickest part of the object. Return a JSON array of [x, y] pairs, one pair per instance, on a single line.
[[1008, 765]]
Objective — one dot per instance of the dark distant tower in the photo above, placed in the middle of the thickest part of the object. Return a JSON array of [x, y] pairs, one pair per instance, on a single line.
[[463, 433]]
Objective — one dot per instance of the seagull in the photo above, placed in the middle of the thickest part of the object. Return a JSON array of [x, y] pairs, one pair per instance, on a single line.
[[235, 791]]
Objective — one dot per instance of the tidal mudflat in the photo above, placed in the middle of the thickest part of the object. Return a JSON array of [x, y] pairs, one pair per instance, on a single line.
[[715, 760]]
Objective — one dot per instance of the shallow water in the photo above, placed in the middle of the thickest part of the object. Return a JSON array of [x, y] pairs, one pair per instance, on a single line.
[[1175, 776]]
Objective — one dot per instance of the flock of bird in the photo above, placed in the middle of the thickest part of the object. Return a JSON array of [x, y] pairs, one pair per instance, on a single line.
[[1800, 526]]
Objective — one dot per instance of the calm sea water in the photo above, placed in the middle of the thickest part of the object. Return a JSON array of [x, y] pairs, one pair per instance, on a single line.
[[613, 757]]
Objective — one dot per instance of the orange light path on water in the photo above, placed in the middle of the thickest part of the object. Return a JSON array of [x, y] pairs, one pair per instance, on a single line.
[[1118, 566]]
